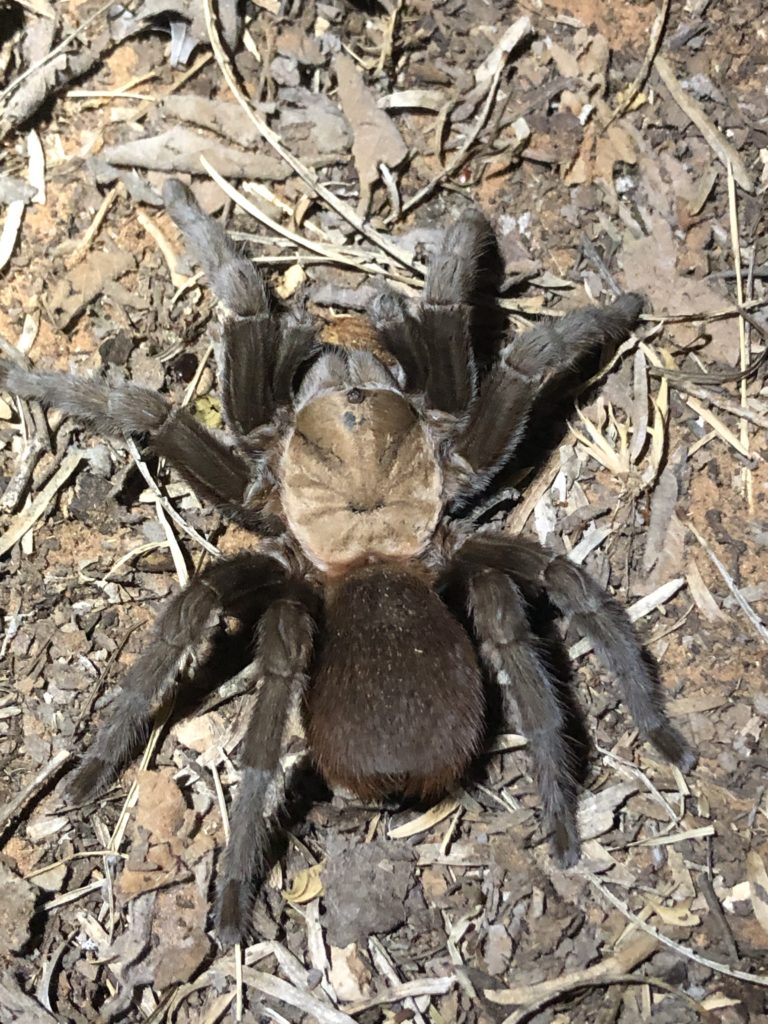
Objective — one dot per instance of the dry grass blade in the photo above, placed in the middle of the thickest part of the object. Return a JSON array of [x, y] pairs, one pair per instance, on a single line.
[[744, 356], [305, 173], [677, 947], [629, 95], [18, 802], [328, 252], [745, 606], [26, 519]]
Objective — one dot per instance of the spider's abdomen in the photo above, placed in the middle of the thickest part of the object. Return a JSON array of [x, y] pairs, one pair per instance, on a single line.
[[361, 478], [396, 704]]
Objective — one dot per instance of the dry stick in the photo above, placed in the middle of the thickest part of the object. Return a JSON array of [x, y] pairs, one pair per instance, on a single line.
[[745, 606], [273, 139], [82, 247], [744, 360], [720, 146], [26, 519], [515, 35], [645, 69], [56, 50], [713, 965], [270, 985], [22, 475], [331, 253], [166, 505], [616, 966], [719, 314], [19, 802]]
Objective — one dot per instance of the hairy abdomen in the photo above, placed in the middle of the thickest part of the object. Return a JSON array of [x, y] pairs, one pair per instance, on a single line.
[[396, 704]]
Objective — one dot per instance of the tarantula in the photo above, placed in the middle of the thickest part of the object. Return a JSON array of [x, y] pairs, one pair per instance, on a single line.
[[358, 474]]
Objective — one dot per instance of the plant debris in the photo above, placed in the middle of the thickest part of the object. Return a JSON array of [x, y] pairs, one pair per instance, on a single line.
[[621, 149]]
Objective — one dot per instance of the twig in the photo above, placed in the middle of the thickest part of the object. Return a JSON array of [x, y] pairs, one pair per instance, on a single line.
[[645, 69], [166, 505], [744, 356], [22, 475], [513, 37], [275, 987], [745, 606], [82, 247], [273, 139], [714, 138], [619, 963], [407, 990], [26, 519], [713, 965], [15, 805]]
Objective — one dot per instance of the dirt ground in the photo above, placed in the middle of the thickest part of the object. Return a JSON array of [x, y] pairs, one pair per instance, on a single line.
[[611, 145]]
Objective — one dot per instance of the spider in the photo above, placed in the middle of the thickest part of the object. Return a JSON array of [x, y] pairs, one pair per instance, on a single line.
[[358, 474]]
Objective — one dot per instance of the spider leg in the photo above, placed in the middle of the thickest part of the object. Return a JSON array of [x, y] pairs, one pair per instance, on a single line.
[[598, 617], [509, 648], [285, 643], [180, 632], [215, 471], [434, 346], [260, 351], [500, 414]]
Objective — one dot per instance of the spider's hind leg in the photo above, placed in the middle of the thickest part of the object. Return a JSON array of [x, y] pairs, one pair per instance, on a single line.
[[180, 631], [284, 652], [598, 617], [261, 350], [509, 648]]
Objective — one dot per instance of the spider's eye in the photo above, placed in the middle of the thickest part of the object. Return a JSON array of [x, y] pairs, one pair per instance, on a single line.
[[355, 396]]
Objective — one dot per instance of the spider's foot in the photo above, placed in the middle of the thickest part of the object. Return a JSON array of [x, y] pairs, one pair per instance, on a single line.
[[234, 903], [86, 782], [669, 742], [566, 845]]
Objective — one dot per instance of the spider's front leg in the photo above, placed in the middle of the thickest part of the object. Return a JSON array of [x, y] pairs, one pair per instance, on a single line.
[[285, 643], [216, 472], [433, 344], [261, 349], [527, 363], [180, 631], [510, 650]]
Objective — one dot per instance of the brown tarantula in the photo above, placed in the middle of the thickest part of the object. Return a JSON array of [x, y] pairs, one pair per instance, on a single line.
[[359, 474]]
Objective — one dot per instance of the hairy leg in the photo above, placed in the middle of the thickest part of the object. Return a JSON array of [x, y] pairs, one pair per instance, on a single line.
[[283, 655], [600, 618], [215, 471], [180, 632], [434, 345], [261, 351], [500, 415], [509, 648]]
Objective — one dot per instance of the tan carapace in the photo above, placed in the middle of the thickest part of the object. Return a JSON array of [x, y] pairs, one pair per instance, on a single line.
[[361, 478]]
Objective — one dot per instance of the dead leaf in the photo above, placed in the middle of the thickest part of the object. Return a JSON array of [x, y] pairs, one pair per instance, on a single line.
[[350, 975], [425, 821], [306, 886], [376, 138], [597, 811]]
